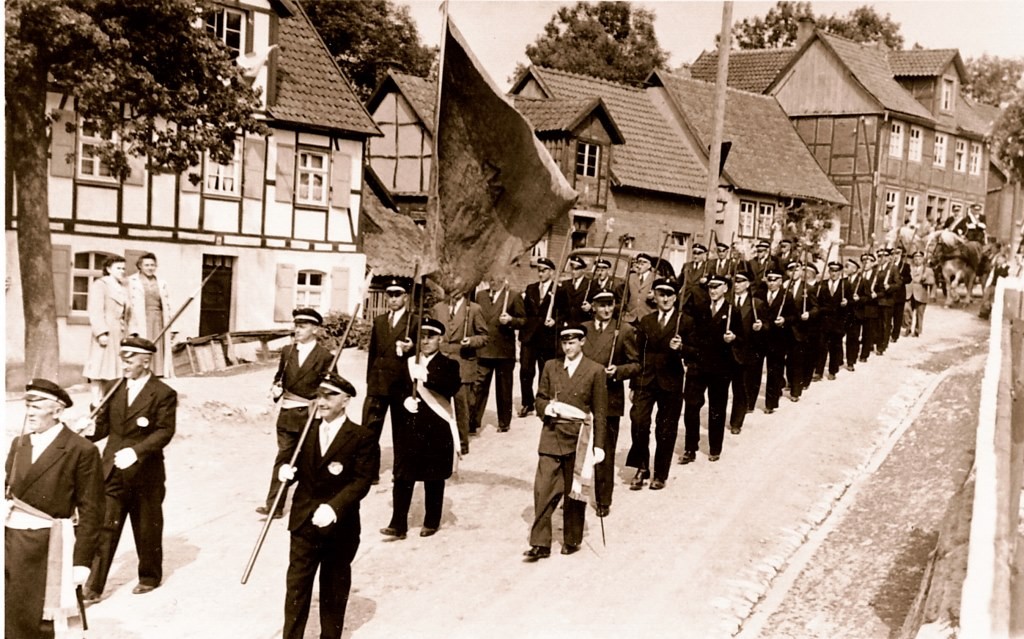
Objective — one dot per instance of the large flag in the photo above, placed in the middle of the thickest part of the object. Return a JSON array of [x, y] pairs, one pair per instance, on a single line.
[[498, 188]]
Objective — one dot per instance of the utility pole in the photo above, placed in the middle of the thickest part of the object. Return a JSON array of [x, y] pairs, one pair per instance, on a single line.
[[718, 126]]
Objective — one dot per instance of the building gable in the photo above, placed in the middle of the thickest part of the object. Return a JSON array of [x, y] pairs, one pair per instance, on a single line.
[[818, 83]]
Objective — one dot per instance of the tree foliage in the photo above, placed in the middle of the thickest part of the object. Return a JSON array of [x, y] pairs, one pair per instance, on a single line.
[[150, 81], [1008, 138], [994, 80], [610, 40], [779, 26], [369, 37]]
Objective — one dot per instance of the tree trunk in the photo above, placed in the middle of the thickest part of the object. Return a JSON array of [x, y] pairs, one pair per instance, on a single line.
[[26, 100]]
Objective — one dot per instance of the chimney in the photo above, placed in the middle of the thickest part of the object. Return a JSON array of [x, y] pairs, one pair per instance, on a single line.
[[804, 29]]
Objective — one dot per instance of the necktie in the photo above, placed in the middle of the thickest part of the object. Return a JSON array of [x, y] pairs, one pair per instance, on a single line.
[[771, 297], [832, 287], [394, 319], [325, 437], [664, 320], [600, 327], [739, 302]]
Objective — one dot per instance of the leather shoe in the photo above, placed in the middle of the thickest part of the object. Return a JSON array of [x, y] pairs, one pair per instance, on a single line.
[[89, 596], [603, 510], [794, 398], [569, 549], [427, 532], [714, 457], [142, 589], [657, 484], [392, 532], [769, 411], [464, 450], [524, 411], [816, 378], [831, 376], [263, 510], [688, 457], [639, 479], [502, 429], [537, 552], [735, 430]]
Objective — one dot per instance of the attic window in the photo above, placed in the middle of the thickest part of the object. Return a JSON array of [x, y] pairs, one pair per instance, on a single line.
[[948, 93], [587, 158], [228, 26]]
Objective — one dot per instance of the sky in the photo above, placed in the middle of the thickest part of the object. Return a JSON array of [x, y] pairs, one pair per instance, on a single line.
[[499, 30]]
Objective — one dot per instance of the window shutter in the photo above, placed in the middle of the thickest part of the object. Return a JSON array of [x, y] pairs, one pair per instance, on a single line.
[[285, 178], [284, 300], [255, 168], [130, 259], [137, 176], [62, 146], [339, 290], [341, 179], [62, 278], [249, 29]]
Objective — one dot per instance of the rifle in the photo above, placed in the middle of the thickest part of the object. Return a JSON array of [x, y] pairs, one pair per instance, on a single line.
[[415, 276], [558, 273], [302, 435], [600, 252], [732, 272]]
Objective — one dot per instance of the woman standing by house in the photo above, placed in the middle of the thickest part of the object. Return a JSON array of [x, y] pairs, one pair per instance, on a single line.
[[150, 312], [108, 317]]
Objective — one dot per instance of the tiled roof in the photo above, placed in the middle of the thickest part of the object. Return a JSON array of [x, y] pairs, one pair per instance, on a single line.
[[920, 62], [421, 94], [654, 156], [311, 90], [392, 242], [767, 155], [552, 115], [972, 119], [869, 66], [986, 113], [749, 70]]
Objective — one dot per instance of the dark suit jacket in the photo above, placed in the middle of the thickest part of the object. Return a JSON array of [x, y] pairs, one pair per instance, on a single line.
[[423, 440], [146, 426], [575, 296], [610, 284], [870, 283], [660, 366], [356, 451], [902, 271], [598, 348], [302, 380], [714, 355], [501, 338], [533, 331], [778, 336], [66, 477], [752, 347], [587, 390], [383, 365], [802, 330], [832, 313]]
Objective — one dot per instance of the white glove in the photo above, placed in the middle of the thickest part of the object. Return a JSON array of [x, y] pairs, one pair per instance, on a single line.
[[85, 427], [125, 458], [285, 473], [80, 574], [411, 404], [598, 455], [324, 516], [551, 411], [418, 372], [276, 391]]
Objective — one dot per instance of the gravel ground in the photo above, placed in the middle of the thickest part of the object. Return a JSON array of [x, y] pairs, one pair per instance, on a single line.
[[689, 561]]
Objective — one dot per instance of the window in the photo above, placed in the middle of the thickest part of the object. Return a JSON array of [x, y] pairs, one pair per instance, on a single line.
[[896, 140], [892, 206], [765, 220], [90, 165], [756, 219], [588, 157], [914, 150], [311, 187], [309, 289], [228, 26], [580, 231], [940, 150], [975, 159], [960, 157], [910, 207], [748, 219], [87, 267], [948, 94], [222, 179], [540, 249]]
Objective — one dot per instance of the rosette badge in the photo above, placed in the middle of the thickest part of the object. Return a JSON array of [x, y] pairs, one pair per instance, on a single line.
[[335, 468], [142, 422]]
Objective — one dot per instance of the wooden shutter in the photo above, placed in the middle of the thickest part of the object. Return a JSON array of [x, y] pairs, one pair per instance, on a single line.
[[285, 169], [130, 259], [284, 298], [62, 146], [137, 176], [339, 290], [250, 28], [341, 180], [62, 278], [255, 168]]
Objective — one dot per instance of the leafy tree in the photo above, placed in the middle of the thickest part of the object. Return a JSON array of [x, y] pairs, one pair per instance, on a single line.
[[152, 84], [1008, 138], [864, 24], [369, 37], [610, 40], [779, 26], [994, 80]]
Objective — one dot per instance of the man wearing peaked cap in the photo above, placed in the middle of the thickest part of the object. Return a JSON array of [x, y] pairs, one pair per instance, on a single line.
[[922, 280], [465, 333], [751, 314], [695, 274], [334, 470], [51, 474], [603, 280], [759, 264], [576, 291], [502, 310], [139, 422], [832, 320], [302, 364], [637, 296], [544, 305]]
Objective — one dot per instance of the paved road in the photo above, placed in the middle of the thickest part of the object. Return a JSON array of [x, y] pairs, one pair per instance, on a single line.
[[689, 561]]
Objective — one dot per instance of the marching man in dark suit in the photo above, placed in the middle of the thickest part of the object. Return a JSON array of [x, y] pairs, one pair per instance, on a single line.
[[336, 465], [302, 364], [801, 332], [855, 311], [834, 306], [749, 313], [139, 420], [465, 333], [603, 280], [537, 336], [780, 312], [51, 474], [503, 312], [572, 398], [601, 339], [425, 433], [575, 290], [695, 276]]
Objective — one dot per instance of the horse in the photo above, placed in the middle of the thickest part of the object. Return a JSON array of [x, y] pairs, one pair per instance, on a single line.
[[956, 260]]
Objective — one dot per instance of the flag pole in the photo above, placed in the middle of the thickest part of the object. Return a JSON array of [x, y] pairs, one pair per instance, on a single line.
[[435, 169], [718, 118]]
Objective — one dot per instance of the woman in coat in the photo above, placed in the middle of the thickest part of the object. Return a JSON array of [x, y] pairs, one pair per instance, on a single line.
[[151, 311], [108, 318]]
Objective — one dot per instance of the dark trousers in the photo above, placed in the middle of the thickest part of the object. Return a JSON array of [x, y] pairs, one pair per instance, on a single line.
[[797, 363], [332, 552], [532, 357], [666, 429], [854, 331], [775, 378], [552, 481], [884, 328], [501, 370], [738, 384], [716, 385], [290, 422], [433, 497], [604, 473], [375, 409], [141, 499], [25, 556], [834, 348], [898, 308], [820, 341], [752, 379], [465, 412]]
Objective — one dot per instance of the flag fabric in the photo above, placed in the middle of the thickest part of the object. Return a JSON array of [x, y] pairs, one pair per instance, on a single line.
[[498, 190]]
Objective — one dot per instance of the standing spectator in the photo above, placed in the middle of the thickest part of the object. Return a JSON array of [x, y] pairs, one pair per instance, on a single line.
[[424, 432], [537, 336], [1000, 268], [139, 420], [465, 332], [334, 470], [302, 364], [108, 318], [151, 311], [503, 312], [922, 280], [52, 475]]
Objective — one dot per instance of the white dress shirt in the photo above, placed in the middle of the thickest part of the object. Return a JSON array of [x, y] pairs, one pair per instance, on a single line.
[[328, 431], [135, 385], [303, 350], [572, 364]]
